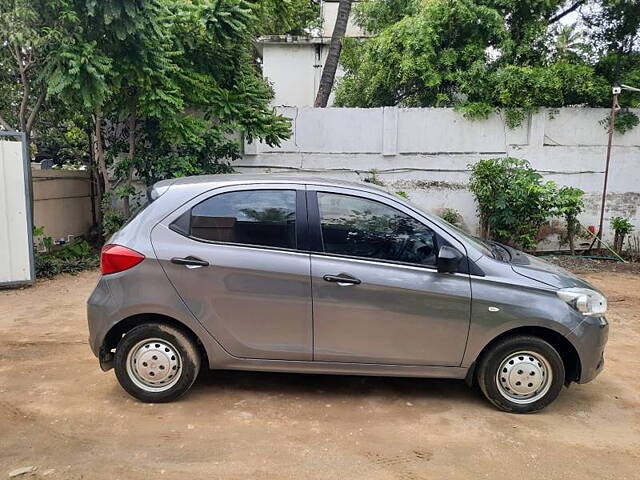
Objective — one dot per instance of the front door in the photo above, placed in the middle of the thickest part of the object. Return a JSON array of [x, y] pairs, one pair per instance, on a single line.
[[233, 257], [377, 296]]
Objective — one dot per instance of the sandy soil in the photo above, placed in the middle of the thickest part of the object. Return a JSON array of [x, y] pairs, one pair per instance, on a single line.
[[60, 413]]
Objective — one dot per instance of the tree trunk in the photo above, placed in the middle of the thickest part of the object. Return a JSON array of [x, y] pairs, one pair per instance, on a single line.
[[571, 233], [331, 64], [130, 155], [92, 178], [102, 163], [484, 226]]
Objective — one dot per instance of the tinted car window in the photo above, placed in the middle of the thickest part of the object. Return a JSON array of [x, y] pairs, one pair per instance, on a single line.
[[252, 217], [359, 227]]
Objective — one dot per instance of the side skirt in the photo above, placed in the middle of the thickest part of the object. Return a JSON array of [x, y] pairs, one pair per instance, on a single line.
[[337, 368]]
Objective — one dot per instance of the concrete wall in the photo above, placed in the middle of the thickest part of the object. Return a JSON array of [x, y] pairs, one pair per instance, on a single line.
[[426, 153], [293, 68], [329, 14], [62, 202]]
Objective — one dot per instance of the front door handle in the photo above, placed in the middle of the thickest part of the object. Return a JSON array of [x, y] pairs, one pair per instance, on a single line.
[[190, 262], [342, 279]]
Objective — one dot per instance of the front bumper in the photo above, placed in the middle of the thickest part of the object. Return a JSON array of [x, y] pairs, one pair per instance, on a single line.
[[590, 338]]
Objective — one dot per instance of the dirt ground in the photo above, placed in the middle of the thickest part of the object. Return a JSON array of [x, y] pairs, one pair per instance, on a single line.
[[60, 413]]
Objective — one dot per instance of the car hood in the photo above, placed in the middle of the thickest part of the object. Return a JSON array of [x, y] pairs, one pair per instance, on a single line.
[[537, 269]]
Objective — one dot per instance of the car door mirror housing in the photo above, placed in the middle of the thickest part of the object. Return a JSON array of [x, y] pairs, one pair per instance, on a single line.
[[448, 259]]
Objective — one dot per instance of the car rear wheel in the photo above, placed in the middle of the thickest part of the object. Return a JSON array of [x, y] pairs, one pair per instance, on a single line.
[[521, 374], [156, 363]]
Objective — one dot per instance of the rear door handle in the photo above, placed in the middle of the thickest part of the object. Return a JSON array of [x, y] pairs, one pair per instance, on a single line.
[[190, 262], [342, 279]]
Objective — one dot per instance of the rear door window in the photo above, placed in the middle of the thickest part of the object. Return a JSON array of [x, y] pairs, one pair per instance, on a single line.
[[248, 217]]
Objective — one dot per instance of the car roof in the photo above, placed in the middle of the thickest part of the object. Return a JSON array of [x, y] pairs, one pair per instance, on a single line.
[[203, 181]]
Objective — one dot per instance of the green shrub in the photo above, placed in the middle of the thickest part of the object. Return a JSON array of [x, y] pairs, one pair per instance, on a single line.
[[621, 228], [48, 266], [569, 204], [513, 201], [112, 218], [72, 257], [625, 121], [451, 215], [373, 178]]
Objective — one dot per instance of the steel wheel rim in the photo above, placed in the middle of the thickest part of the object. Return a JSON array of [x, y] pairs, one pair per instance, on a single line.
[[524, 377], [154, 365]]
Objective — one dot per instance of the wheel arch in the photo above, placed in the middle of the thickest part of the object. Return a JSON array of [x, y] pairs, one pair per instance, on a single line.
[[118, 330], [564, 347]]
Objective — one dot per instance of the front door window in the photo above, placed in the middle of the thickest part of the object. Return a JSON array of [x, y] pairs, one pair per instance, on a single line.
[[359, 227]]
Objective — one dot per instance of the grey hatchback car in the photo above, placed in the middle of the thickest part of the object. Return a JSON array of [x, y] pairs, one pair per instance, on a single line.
[[295, 274]]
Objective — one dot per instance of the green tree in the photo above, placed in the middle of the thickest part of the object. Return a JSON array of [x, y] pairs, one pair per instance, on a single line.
[[614, 29], [293, 17], [30, 31], [569, 42], [423, 59], [483, 55], [179, 83], [614, 25]]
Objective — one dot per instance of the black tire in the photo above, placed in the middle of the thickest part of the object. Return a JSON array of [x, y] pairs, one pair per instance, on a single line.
[[504, 351], [187, 362]]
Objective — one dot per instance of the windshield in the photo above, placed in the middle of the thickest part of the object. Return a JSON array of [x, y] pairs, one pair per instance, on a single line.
[[482, 245], [500, 252], [488, 248]]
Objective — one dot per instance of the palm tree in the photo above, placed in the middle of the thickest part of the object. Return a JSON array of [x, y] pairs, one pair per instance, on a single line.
[[331, 64], [568, 41]]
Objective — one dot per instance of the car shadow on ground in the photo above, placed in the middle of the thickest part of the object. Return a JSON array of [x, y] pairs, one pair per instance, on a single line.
[[336, 387]]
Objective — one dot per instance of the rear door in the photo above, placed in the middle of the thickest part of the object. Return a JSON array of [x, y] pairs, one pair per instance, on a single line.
[[235, 257], [377, 295]]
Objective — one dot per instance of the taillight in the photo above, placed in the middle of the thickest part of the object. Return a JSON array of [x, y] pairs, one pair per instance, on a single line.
[[116, 258]]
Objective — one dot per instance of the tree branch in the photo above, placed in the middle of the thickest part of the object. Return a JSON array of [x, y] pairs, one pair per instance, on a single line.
[[36, 109], [16, 54], [566, 12], [26, 91], [5, 124]]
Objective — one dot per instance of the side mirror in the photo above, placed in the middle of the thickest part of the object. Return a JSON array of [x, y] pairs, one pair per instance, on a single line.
[[448, 259]]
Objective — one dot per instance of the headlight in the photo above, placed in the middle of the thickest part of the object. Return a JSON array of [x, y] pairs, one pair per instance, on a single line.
[[586, 301]]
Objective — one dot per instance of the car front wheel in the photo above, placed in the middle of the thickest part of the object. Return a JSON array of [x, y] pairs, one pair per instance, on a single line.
[[156, 363], [521, 374]]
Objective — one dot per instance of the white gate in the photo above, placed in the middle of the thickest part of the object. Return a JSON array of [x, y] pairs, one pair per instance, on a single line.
[[16, 242]]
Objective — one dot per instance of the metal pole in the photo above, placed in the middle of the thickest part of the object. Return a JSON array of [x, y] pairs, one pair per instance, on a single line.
[[612, 119]]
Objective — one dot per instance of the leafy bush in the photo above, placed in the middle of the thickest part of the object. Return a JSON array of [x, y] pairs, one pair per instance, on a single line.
[[451, 215], [373, 178], [112, 218], [513, 201], [569, 204], [72, 257], [625, 120], [48, 266], [621, 227]]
